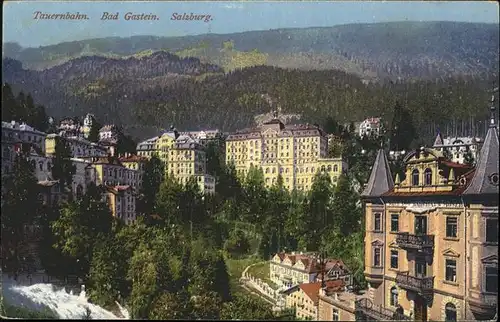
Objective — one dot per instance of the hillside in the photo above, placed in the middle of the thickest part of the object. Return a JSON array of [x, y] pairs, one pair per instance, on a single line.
[[396, 49], [168, 90]]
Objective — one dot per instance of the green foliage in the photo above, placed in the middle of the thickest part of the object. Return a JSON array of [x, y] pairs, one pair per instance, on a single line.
[[63, 168], [22, 109], [94, 131], [20, 208], [11, 311], [402, 130], [246, 307], [237, 244], [79, 228], [151, 181], [169, 306], [207, 306], [125, 144]]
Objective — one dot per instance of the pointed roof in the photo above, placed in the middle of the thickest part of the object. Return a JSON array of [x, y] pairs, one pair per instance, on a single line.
[[439, 139], [485, 179], [380, 180]]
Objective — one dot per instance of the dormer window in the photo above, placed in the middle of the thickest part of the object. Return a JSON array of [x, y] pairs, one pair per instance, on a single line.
[[428, 177], [415, 176]]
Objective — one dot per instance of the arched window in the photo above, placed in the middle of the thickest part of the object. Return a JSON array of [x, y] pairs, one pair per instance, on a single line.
[[415, 175], [335, 168], [322, 168], [267, 170], [394, 296], [451, 312], [329, 168], [428, 177]]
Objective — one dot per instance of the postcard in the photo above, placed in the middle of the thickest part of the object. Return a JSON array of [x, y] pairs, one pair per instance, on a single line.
[[250, 160]]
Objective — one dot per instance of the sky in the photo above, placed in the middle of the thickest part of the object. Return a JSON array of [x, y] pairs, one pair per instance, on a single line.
[[226, 17]]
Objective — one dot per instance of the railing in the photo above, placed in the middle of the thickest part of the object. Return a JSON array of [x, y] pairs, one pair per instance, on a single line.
[[417, 284], [407, 240], [366, 310]]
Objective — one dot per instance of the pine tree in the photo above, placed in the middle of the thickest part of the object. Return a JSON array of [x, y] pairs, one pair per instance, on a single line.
[[402, 131], [63, 168], [152, 178], [19, 208], [94, 130]]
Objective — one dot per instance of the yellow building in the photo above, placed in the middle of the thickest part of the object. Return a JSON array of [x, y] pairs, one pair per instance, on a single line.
[[136, 163], [431, 243], [122, 202], [335, 305], [297, 152], [148, 148], [288, 270], [184, 157], [304, 298]]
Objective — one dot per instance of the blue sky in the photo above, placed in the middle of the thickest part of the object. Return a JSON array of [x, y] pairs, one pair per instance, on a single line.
[[227, 17]]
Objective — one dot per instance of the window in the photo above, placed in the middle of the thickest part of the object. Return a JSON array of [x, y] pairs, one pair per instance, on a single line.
[[394, 223], [492, 230], [394, 259], [378, 222], [376, 257], [335, 315], [415, 177], [491, 273], [451, 270], [451, 227], [394, 296], [428, 177], [451, 312]]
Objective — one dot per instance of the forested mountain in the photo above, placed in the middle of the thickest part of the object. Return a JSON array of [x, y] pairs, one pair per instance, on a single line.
[[169, 90], [396, 49]]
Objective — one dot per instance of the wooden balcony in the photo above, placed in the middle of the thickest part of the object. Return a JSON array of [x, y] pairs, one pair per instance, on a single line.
[[417, 242], [421, 285], [365, 310]]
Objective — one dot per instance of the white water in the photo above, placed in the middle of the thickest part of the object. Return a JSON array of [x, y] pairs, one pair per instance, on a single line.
[[66, 305]]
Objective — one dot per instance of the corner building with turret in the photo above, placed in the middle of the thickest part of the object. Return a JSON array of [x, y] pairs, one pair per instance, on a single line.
[[431, 243]]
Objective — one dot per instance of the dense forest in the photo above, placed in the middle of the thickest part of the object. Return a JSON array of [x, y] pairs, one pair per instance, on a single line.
[[395, 49], [144, 102]]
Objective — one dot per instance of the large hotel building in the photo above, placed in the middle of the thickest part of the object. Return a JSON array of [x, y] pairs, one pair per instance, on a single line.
[[297, 152]]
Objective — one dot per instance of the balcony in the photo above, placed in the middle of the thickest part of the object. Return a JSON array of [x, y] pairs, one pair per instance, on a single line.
[[365, 310], [417, 242], [421, 285], [484, 307]]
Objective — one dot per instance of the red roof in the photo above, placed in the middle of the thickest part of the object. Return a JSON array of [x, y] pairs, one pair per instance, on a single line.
[[311, 290], [452, 164]]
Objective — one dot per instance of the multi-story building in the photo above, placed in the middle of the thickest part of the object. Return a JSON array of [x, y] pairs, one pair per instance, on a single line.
[[108, 133], [296, 152], [186, 159], [458, 147], [288, 270], [148, 147], [431, 243], [122, 202], [205, 136], [303, 298], [14, 132], [370, 127], [70, 127], [337, 304], [136, 163], [79, 146]]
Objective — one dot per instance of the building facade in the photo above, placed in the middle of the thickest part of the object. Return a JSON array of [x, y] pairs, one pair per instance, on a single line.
[[183, 155], [296, 152], [289, 270], [122, 202], [370, 127], [431, 243], [458, 147], [79, 146]]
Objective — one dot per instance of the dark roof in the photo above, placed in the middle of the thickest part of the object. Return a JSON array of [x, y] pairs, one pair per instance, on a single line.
[[483, 181], [380, 179], [438, 140]]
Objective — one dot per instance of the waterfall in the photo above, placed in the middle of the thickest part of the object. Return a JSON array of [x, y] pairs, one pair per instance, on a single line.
[[65, 305]]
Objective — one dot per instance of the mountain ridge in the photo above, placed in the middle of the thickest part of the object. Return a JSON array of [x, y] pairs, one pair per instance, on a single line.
[[392, 49]]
